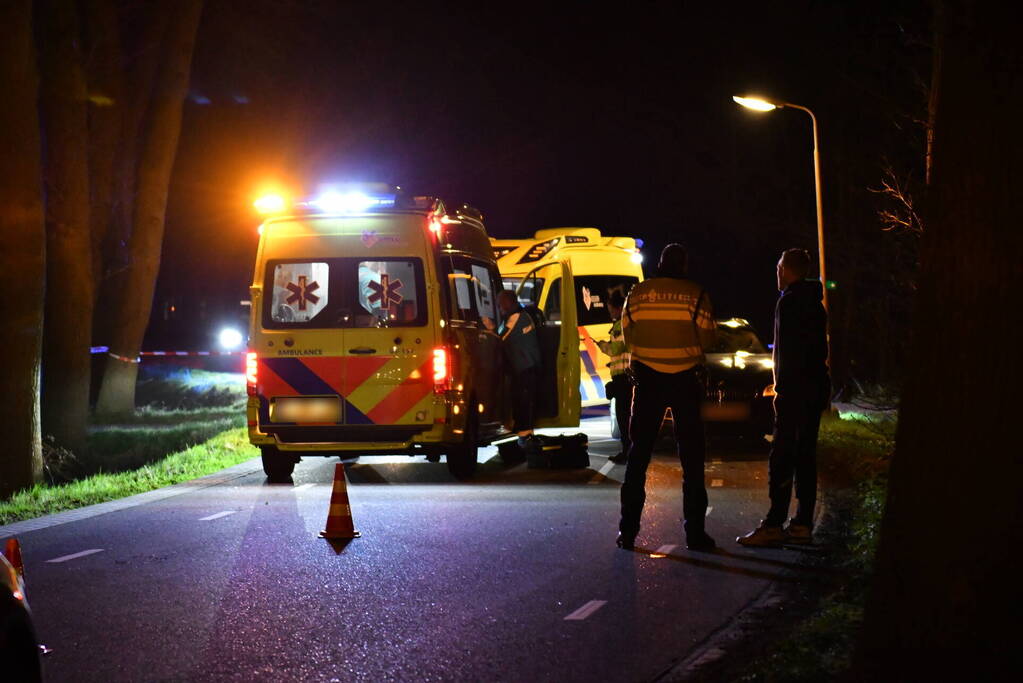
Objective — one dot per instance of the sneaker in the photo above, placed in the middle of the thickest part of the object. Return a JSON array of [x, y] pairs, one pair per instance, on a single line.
[[620, 458], [763, 537], [626, 541], [798, 534], [700, 541]]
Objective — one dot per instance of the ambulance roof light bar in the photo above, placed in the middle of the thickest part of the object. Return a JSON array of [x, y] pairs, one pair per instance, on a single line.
[[333, 201]]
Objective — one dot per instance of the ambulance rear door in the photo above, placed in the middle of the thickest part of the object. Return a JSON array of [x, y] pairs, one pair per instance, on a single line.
[[388, 342], [558, 402]]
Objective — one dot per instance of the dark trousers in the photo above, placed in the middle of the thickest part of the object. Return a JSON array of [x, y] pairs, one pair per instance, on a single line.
[[654, 392], [524, 400], [620, 389], [797, 418]]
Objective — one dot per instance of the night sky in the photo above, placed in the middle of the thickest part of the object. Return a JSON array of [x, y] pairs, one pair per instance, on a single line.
[[617, 116]]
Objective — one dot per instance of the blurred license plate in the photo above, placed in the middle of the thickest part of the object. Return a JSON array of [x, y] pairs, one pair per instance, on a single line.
[[728, 411], [319, 409]]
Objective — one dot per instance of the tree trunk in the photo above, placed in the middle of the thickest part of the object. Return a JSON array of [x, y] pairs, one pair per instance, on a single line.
[[69, 283], [156, 160], [138, 76], [23, 236], [946, 590], [106, 95]]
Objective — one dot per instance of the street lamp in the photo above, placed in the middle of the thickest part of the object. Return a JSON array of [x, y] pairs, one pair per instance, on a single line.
[[764, 104]]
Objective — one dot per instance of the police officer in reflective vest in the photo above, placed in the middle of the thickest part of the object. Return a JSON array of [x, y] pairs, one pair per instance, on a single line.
[[668, 322], [620, 386], [520, 340]]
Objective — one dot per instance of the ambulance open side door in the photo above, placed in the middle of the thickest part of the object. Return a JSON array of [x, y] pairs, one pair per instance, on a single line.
[[558, 399]]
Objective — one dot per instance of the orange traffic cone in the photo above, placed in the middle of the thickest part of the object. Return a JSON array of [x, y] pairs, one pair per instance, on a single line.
[[12, 551], [339, 518]]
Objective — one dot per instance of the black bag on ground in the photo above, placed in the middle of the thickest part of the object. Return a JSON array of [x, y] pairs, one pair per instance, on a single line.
[[558, 452]]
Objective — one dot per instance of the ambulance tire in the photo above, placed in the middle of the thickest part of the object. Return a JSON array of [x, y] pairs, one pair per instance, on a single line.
[[277, 466], [462, 457]]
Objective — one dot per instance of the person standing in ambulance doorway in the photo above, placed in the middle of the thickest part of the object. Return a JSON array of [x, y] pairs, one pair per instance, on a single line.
[[620, 386], [520, 341], [668, 323], [801, 387]]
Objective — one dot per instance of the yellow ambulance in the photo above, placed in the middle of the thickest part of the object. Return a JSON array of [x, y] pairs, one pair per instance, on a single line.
[[600, 265], [372, 317]]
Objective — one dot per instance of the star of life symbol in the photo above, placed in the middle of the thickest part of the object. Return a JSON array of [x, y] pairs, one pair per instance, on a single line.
[[385, 292], [369, 237], [302, 292]]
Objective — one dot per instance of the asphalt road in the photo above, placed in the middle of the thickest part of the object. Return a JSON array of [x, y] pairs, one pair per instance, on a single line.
[[514, 576]]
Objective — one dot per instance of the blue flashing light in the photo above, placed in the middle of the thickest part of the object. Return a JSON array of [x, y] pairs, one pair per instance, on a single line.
[[639, 243], [351, 202]]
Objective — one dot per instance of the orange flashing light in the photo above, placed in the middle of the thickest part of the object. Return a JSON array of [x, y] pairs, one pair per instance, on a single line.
[[270, 204]]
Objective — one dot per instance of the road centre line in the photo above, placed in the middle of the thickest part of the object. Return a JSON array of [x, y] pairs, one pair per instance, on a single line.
[[608, 466], [75, 556], [666, 549], [710, 508], [303, 487], [586, 610], [218, 515]]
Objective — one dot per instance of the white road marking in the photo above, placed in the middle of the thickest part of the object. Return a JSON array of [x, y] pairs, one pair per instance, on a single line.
[[586, 610], [608, 466], [717, 482], [666, 549], [710, 508], [218, 515], [75, 556], [303, 487]]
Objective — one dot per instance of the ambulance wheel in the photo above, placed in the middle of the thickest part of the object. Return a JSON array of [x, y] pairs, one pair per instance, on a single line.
[[462, 457], [277, 466]]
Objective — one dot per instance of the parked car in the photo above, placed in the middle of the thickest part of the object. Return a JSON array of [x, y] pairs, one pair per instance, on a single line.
[[740, 381]]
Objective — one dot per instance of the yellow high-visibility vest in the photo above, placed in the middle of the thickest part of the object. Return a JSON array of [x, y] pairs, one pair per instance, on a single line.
[[668, 323], [616, 350]]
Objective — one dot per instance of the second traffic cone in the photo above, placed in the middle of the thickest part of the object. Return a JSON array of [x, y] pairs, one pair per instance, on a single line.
[[339, 518], [12, 551]]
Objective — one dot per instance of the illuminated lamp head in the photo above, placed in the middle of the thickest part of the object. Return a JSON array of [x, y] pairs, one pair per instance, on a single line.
[[270, 204]]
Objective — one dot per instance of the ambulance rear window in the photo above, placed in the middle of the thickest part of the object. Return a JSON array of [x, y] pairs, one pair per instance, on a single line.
[[388, 292], [300, 291], [345, 293]]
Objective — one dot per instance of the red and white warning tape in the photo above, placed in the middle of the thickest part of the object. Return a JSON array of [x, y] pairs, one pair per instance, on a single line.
[[192, 353], [126, 359]]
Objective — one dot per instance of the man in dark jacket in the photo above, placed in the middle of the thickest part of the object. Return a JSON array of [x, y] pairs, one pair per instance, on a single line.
[[520, 340], [801, 387]]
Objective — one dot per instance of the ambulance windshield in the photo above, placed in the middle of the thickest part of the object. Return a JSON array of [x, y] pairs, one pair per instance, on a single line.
[[592, 293]]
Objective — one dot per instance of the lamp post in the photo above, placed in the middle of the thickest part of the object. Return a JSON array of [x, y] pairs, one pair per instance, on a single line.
[[763, 104]]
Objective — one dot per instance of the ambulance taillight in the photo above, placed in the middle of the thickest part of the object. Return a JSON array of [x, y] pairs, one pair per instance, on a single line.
[[441, 370], [250, 373]]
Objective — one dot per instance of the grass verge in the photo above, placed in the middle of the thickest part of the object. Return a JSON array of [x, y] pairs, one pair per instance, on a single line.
[[191, 424], [853, 456], [223, 450]]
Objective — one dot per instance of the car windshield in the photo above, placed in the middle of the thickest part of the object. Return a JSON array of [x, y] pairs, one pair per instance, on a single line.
[[733, 337]]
